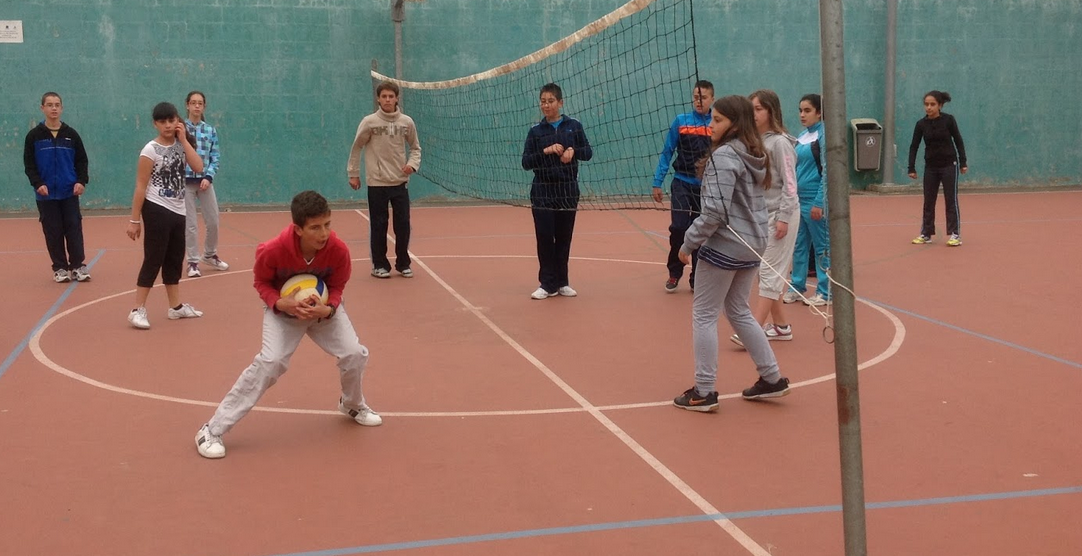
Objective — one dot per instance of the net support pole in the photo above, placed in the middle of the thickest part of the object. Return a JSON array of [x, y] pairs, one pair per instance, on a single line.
[[890, 149], [398, 15], [841, 270]]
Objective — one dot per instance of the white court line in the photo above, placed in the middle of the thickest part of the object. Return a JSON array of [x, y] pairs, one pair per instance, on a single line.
[[39, 354], [685, 489], [583, 404]]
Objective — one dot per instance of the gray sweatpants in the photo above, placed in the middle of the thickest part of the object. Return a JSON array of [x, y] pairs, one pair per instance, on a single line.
[[208, 205], [281, 336], [716, 287]]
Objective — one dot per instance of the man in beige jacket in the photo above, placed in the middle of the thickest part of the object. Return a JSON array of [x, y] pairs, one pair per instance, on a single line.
[[385, 133]]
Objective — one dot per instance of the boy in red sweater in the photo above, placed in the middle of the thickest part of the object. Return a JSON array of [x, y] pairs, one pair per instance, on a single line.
[[306, 246]]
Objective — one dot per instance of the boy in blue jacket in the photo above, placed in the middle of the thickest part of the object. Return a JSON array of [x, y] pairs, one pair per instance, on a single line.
[[689, 140], [56, 165], [554, 147]]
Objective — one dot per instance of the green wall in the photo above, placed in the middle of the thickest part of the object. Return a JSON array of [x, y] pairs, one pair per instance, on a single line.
[[287, 81]]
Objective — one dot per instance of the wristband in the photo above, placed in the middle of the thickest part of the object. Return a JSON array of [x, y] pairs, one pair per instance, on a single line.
[[136, 221]]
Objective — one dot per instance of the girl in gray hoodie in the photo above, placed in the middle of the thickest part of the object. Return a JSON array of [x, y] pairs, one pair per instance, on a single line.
[[730, 235]]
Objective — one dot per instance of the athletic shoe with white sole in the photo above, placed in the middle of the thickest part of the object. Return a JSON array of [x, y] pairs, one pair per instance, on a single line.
[[566, 291], [209, 445], [185, 312], [138, 318], [776, 333], [541, 293], [364, 416], [763, 389], [214, 262], [692, 401]]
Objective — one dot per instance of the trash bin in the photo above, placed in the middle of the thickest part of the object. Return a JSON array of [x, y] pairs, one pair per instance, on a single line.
[[867, 144]]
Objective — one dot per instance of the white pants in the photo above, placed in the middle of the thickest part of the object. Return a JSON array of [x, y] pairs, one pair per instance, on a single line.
[[281, 336], [779, 253], [208, 205]]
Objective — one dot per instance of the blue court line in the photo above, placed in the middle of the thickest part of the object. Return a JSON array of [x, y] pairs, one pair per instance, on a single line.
[[528, 533], [15, 353], [1013, 345]]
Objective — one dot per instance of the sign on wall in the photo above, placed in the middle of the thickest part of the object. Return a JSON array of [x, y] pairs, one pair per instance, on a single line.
[[11, 31]]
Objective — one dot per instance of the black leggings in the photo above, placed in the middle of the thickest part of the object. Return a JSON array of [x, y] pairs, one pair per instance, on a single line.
[[163, 245]]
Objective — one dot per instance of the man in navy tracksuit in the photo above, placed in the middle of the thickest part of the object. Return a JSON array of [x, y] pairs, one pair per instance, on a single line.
[[56, 165], [554, 147], [689, 140]]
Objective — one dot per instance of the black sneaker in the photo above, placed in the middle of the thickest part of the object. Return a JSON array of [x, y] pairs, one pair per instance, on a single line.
[[692, 401], [670, 284], [763, 389]]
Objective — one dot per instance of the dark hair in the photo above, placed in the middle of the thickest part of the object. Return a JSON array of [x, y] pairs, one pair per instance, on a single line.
[[164, 111], [50, 94], [740, 112], [769, 99], [554, 89], [388, 86], [815, 100], [703, 84], [941, 97], [306, 205]]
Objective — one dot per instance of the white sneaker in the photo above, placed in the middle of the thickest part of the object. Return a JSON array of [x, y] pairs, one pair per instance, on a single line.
[[214, 262], [816, 301], [566, 291], [185, 312], [406, 272], [364, 416], [776, 333], [541, 293], [209, 446], [736, 340], [193, 270], [791, 297], [138, 318], [381, 273], [61, 276], [81, 274]]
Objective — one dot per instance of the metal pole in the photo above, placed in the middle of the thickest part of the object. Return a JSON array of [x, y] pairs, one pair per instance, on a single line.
[[375, 83], [841, 270], [398, 15], [890, 148]]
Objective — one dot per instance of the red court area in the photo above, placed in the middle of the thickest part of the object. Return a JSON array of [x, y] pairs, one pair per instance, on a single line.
[[515, 426]]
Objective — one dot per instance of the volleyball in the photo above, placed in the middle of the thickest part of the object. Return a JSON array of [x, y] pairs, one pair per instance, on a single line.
[[306, 286]]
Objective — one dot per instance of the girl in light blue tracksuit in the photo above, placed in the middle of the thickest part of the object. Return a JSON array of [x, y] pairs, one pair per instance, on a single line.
[[813, 234]]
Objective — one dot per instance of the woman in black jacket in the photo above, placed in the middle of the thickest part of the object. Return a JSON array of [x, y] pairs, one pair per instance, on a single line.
[[944, 157]]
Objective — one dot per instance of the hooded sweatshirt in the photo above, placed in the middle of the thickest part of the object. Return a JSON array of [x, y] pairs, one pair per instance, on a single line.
[[781, 197], [280, 259], [384, 136], [731, 196]]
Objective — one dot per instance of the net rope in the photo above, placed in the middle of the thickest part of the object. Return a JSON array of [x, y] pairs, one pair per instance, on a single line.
[[624, 76]]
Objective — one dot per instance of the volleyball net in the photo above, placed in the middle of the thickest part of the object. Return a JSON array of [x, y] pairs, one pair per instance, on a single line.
[[625, 76]]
